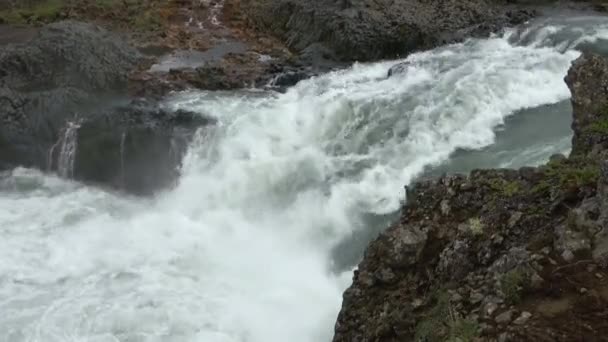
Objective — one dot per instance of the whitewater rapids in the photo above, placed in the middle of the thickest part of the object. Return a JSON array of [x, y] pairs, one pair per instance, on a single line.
[[249, 245]]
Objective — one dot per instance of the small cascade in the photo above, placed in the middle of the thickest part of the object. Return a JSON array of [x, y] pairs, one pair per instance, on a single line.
[[123, 137], [67, 144]]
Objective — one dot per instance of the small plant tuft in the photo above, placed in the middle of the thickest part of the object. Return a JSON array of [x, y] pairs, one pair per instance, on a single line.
[[476, 227], [579, 172], [442, 323], [504, 187], [512, 285]]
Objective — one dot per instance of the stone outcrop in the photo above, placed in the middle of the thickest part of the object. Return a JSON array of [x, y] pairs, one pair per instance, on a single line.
[[364, 30], [588, 81], [498, 255], [62, 71], [62, 108]]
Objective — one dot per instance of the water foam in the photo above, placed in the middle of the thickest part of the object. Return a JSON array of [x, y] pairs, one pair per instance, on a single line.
[[241, 249]]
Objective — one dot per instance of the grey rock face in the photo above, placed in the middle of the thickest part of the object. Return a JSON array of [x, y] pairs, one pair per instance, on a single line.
[[62, 108], [367, 30]]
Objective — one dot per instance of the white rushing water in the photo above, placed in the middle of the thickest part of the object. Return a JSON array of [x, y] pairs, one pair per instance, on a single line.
[[242, 250]]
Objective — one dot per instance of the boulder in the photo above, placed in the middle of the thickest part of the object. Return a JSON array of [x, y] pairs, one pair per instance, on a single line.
[[588, 83], [136, 147], [63, 109]]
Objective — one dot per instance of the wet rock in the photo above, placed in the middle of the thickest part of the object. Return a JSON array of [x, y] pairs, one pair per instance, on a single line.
[[64, 71], [367, 30], [63, 109], [136, 147]]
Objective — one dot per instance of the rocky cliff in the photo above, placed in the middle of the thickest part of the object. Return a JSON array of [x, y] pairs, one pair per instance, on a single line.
[[364, 30], [63, 108], [498, 255]]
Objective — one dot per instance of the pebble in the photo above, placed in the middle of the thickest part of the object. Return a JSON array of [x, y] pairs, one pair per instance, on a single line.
[[504, 317], [504, 337], [490, 308], [523, 318], [583, 290], [599, 276], [567, 255]]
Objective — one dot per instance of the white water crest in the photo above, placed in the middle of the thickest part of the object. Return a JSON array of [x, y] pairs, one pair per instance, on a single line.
[[243, 248]]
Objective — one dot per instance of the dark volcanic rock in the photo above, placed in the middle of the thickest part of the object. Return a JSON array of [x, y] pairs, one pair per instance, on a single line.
[[498, 255], [56, 111], [368, 30], [588, 82], [61, 71], [136, 147]]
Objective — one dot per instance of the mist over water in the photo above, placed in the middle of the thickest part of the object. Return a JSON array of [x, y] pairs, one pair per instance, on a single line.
[[275, 203]]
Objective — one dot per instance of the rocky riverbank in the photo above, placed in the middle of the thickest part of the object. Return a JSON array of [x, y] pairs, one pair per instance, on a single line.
[[498, 255]]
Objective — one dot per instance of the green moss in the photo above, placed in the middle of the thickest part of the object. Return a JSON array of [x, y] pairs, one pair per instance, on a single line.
[[463, 330], [504, 187], [576, 172], [149, 21], [476, 227], [44, 11], [512, 285], [600, 127], [442, 323]]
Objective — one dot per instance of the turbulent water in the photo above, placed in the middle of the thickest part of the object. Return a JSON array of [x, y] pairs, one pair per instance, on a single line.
[[274, 205]]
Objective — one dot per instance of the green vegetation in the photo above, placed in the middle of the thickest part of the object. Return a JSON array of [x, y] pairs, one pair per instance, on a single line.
[[42, 11], [443, 324], [476, 226], [600, 127], [504, 187], [462, 330], [108, 3], [141, 15], [573, 172], [148, 20], [512, 285]]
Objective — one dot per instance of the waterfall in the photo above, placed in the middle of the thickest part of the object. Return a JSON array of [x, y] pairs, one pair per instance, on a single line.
[[67, 144], [256, 241], [123, 137]]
